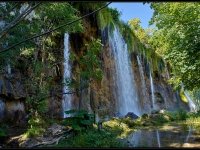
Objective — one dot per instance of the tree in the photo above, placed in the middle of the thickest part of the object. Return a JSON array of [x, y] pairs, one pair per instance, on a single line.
[[177, 39]]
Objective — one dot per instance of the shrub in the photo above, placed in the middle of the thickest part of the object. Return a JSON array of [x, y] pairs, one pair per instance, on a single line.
[[160, 119], [2, 132], [36, 126], [79, 120]]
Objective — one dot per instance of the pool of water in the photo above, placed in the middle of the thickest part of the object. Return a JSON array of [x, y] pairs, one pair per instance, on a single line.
[[167, 136]]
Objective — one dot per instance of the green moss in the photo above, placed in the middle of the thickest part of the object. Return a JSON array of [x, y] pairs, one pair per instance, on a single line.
[[108, 17], [183, 97], [119, 126]]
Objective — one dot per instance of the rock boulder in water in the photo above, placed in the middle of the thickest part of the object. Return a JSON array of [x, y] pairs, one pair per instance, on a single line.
[[131, 115]]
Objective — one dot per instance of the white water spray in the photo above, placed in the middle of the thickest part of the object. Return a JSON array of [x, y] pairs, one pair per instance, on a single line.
[[126, 90], [67, 104]]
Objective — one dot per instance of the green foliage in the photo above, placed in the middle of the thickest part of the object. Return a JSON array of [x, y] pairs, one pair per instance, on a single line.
[[90, 65], [108, 17], [79, 120], [118, 126], [193, 122], [130, 122], [3, 130], [92, 139], [36, 126], [177, 40], [195, 93], [142, 34], [47, 16], [178, 115], [90, 62], [141, 38], [156, 119], [127, 34]]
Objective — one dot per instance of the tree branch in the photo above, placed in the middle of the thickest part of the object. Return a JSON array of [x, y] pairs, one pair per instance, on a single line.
[[33, 37], [18, 19]]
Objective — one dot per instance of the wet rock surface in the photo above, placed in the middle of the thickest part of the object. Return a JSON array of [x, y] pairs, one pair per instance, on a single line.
[[131, 115]]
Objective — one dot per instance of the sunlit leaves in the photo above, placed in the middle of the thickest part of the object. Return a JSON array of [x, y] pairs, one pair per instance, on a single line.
[[177, 39]]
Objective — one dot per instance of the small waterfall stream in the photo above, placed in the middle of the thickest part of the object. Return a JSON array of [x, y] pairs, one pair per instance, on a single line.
[[126, 90], [191, 103], [142, 78], [67, 74], [152, 91], [8, 68], [2, 109]]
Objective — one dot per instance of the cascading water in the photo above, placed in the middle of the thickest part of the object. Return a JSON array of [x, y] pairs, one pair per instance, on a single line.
[[142, 77], [152, 91], [67, 105], [168, 76], [8, 68], [191, 103], [2, 109], [126, 91]]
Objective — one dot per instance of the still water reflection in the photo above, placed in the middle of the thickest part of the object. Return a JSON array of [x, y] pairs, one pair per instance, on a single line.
[[170, 136]]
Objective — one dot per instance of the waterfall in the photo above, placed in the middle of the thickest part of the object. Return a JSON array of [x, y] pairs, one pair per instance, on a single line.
[[8, 69], [168, 76], [158, 138], [142, 77], [190, 101], [152, 91], [126, 90], [2, 109], [67, 74]]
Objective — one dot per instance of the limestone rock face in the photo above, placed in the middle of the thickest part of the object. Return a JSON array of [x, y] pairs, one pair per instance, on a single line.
[[12, 96], [11, 87], [100, 97]]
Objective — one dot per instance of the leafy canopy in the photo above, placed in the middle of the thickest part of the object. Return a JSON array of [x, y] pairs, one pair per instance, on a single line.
[[177, 39]]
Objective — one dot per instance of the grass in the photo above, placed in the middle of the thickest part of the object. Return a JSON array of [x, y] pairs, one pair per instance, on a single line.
[[92, 138], [193, 120]]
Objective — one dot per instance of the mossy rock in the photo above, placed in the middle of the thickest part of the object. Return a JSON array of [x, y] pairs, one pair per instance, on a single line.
[[145, 116], [166, 117]]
